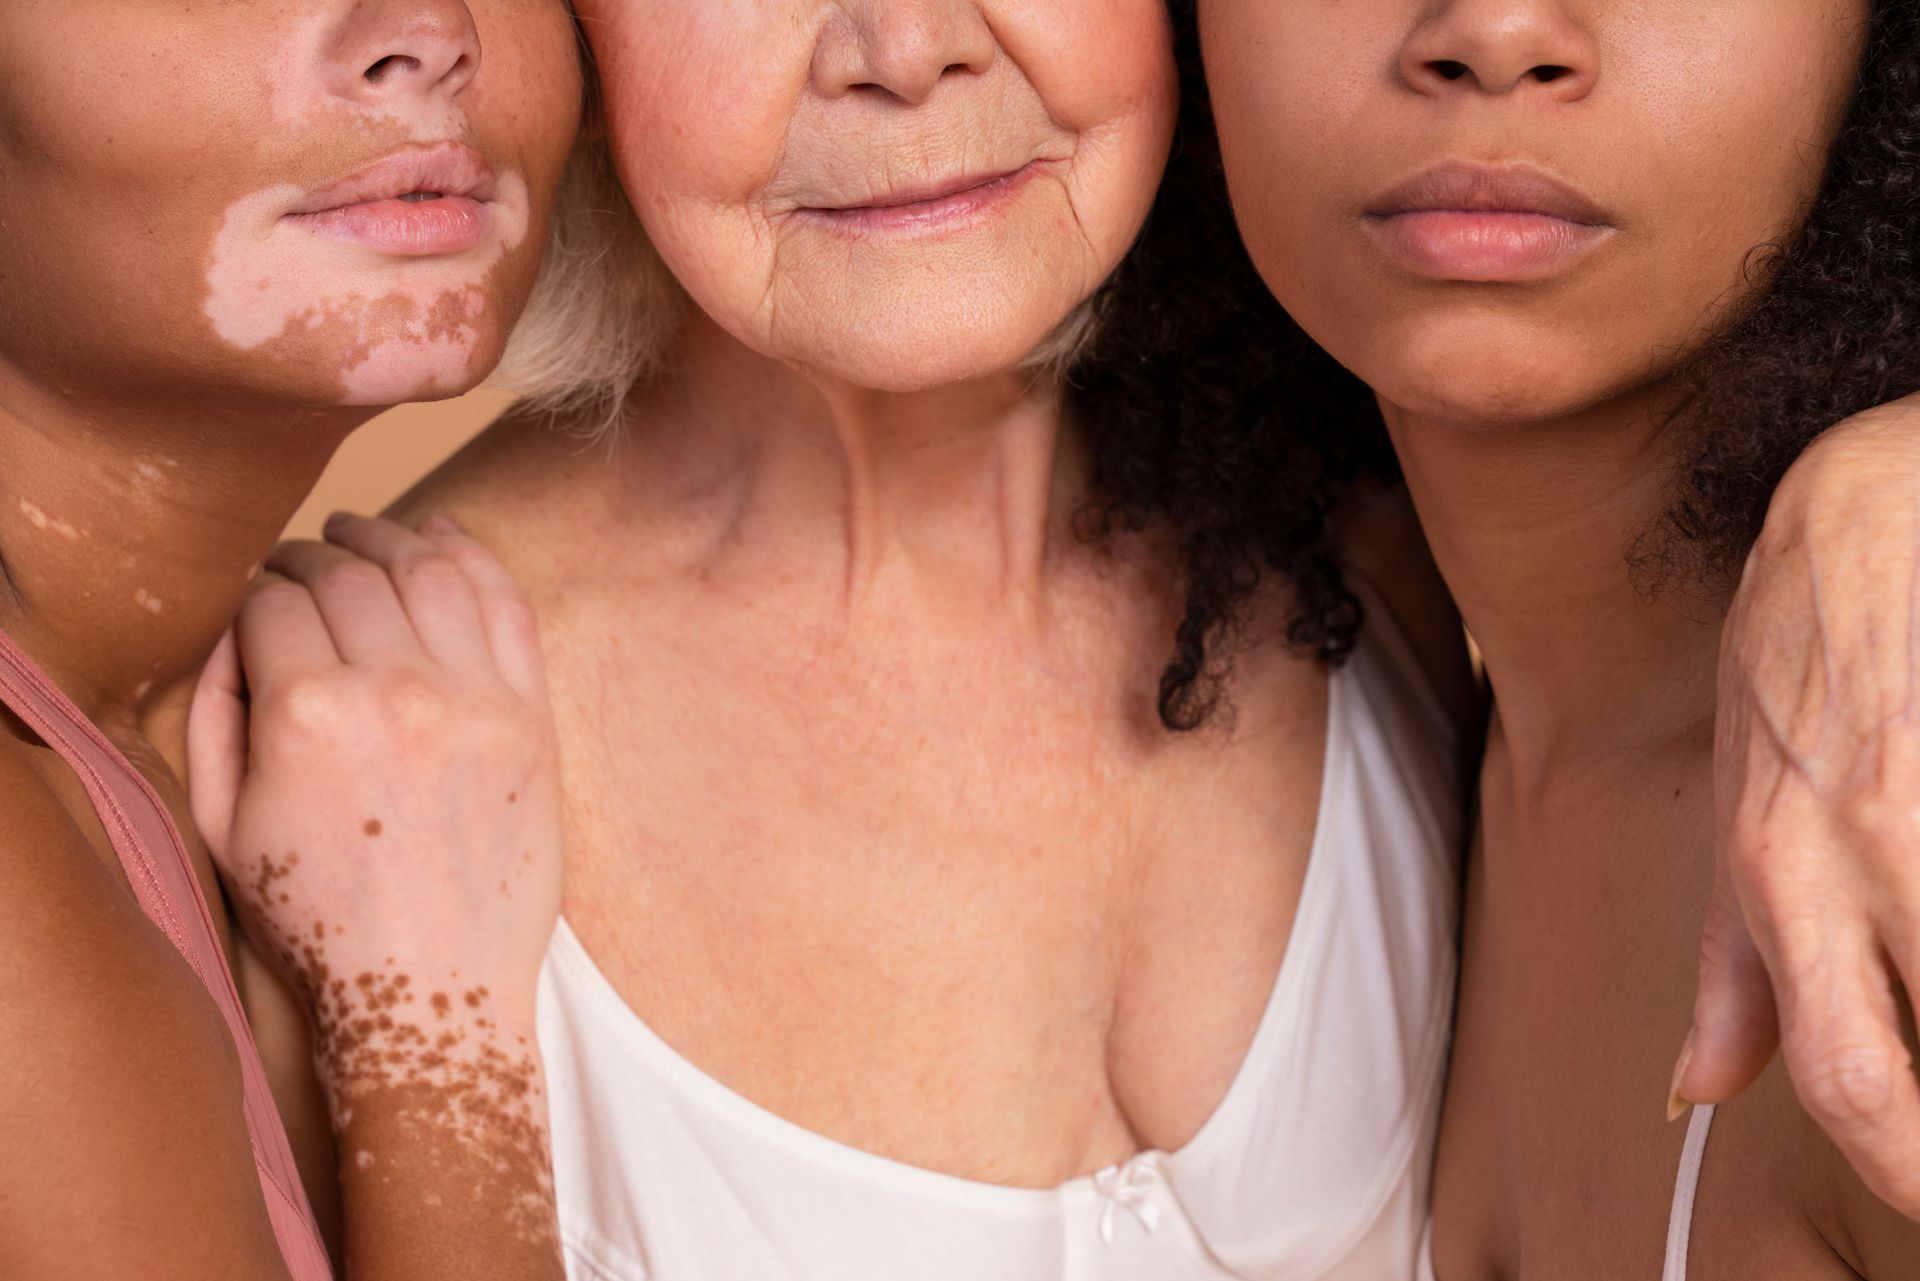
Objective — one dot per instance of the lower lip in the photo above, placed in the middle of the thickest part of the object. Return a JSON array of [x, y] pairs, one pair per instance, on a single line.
[[1475, 245], [938, 214], [406, 228]]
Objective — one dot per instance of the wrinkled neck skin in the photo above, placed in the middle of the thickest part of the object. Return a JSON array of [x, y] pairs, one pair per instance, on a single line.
[[129, 532], [1531, 527], [965, 492]]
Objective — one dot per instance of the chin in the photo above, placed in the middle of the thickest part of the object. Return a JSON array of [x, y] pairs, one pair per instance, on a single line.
[[1482, 375], [921, 347], [434, 357]]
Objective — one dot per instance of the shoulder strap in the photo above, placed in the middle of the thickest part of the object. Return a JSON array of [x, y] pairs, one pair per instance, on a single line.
[[1685, 1189], [156, 863]]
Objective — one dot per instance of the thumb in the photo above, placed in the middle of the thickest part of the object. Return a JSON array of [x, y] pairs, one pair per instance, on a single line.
[[1736, 1026], [217, 744]]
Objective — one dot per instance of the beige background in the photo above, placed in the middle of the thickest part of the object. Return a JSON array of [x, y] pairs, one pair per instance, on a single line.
[[385, 458]]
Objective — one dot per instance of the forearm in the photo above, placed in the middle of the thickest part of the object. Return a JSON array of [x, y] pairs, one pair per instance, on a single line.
[[441, 1120]]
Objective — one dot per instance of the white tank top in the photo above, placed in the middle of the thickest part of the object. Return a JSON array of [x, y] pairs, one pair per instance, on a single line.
[[1313, 1168]]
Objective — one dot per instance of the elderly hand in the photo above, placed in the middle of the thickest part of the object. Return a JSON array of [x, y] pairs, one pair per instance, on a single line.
[[1816, 910]]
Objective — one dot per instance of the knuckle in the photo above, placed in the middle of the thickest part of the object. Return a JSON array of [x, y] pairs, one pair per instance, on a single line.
[[349, 575], [1848, 1087], [307, 705], [431, 574], [412, 704], [271, 596], [1886, 822]]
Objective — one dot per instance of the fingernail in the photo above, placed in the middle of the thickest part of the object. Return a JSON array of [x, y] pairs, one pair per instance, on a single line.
[[1675, 1104]]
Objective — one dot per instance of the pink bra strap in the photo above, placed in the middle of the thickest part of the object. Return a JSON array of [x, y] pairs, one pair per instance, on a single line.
[[163, 880]]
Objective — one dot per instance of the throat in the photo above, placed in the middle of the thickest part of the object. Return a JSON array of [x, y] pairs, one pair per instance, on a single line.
[[1536, 529]]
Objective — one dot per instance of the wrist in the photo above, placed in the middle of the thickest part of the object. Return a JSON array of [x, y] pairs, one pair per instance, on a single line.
[[386, 1031]]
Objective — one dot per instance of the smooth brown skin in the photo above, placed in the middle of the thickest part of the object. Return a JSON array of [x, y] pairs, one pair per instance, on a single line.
[[174, 460], [1524, 418], [871, 603]]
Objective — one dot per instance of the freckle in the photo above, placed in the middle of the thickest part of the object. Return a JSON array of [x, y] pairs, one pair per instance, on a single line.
[[441, 1004], [503, 887], [365, 980], [513, 797], [285, 897], [372, 827], [319, 929]]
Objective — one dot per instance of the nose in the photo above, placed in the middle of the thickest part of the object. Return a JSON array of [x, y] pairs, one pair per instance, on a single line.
[[902, 48], [1501, 47], [390, 51]]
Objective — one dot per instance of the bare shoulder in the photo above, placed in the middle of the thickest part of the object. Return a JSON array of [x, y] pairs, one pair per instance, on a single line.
[[1379, 536], [120, 1118]]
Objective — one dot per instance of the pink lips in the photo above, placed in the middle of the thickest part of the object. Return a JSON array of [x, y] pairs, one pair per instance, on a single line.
[[934, 207], [1466, 223], [422, 202]]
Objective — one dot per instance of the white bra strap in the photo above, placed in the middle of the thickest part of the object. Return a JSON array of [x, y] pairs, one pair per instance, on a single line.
[[1685, 1189]]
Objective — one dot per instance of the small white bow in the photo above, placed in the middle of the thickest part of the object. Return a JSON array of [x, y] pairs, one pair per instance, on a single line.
[[1128, 1187]]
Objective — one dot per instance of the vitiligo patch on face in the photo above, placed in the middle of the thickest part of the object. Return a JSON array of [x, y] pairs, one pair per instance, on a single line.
[[403, 328]]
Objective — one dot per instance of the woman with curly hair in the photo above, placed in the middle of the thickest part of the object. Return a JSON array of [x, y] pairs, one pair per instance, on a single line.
[[1607, 270]]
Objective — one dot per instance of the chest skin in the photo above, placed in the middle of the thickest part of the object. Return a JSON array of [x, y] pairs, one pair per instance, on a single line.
[[941, 891], [1584, 909]]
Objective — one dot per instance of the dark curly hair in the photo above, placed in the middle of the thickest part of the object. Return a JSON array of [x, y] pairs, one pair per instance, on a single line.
[[1834, 330], [1208, 409]]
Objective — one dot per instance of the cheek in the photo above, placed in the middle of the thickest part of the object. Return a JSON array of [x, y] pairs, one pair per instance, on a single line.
[[698, 96]]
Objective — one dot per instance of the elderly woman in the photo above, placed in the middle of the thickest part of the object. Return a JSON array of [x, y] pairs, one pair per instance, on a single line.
[[904, 935]]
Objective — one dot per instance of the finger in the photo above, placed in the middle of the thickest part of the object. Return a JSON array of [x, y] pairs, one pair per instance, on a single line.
[[281, 634], [513, 632], [1736, 1026], [217, 744], [1840, 1031], [439, 598], [355, 599]]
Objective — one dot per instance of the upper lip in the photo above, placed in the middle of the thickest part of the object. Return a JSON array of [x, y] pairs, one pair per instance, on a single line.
[[919, 193], [448, 168], [1465, 188]]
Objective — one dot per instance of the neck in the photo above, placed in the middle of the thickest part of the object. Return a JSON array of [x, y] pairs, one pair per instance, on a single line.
[[1531, 528], [965, 488], [128, 533]]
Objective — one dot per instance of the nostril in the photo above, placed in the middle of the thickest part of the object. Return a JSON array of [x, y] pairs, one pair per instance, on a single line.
[[1449, 70], [1547, 75], [380, 70]]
